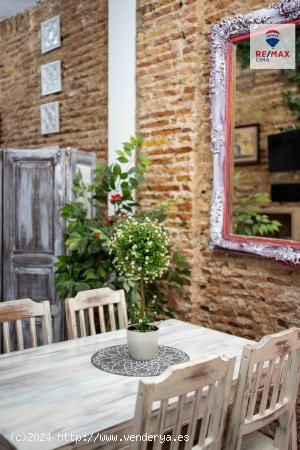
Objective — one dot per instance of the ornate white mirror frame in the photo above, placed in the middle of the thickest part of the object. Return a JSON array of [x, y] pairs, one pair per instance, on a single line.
[[223, 35]]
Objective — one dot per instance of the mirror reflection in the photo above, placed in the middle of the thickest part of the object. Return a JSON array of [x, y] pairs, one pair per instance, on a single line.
[[265, 149]]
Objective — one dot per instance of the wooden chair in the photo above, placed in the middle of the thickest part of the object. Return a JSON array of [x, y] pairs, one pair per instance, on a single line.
[[266, 392], [85, 304], [185, 393], [19, 310]]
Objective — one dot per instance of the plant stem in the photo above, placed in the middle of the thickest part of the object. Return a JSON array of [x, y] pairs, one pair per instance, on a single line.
[[142, 297]]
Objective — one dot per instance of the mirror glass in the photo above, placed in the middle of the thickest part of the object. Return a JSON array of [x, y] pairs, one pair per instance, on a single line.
[[265, 148]]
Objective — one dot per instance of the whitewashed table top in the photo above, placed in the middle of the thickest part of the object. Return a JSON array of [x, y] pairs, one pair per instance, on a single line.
[[55, 388]]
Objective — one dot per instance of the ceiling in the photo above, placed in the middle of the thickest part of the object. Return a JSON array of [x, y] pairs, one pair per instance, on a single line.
[[12, 7]]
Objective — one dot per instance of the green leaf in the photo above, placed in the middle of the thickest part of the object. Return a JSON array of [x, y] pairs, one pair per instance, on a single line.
[[140, 141], [76, 242], [90, 274], [122, 159], [134, 183], [133, 141], [117, 170]]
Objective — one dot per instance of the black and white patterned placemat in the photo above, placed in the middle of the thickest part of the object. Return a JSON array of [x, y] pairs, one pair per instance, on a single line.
[[117, 360]]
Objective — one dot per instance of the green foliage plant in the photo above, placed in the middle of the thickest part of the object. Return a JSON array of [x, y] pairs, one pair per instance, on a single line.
[[248, 218], [141, 253], [87, 263]]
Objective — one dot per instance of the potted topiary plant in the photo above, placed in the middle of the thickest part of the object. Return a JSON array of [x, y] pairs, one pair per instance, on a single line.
[[141, 252]]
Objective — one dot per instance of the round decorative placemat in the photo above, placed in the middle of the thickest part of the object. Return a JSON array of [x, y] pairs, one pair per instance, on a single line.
[[117, 360]]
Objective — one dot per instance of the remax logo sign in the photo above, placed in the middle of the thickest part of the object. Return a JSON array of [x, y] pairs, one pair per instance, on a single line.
[[272, 48], [272, 37]]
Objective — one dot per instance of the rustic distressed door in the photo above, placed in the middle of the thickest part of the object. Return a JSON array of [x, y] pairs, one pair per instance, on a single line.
[[33, 193], [36, 184]]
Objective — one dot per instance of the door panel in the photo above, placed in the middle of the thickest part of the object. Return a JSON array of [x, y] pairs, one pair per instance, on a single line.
[[33, 282], [35, 183], [33, 193], [85, 162]]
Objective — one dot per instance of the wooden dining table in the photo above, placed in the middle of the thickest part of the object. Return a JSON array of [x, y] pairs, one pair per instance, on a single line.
[[53, 397]]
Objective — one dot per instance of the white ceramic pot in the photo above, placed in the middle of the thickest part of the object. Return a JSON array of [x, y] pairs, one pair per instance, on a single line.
[[142, 345]]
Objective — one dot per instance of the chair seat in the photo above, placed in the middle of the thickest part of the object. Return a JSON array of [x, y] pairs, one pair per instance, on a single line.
[[257, 441]]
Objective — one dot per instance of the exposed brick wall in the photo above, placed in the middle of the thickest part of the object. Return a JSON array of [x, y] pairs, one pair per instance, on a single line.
[[167, 80], [244, 295], [83, 100]]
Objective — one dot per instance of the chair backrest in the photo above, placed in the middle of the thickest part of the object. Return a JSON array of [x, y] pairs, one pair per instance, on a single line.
[[181, 396], [267, 388], [14, 313], [88, 303]]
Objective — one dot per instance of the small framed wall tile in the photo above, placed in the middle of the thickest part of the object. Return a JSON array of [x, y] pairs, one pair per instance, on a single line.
[[50, 34], [51, 77], [50, 118]]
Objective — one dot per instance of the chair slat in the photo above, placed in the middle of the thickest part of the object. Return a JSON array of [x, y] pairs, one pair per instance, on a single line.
[[285, 372], [178, 420], [266, 389], [20, 338], [207, 415], [82, 323], [33, 332], [47, 324], [157, 445], [71, 319], [193, 423], [294, 445], [101, 318], [275, 392], [6, 337], [92, 321], [122, 311], [254, 393], [112, 319]]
